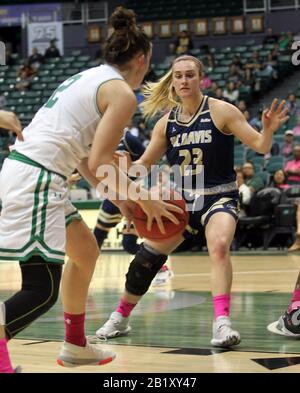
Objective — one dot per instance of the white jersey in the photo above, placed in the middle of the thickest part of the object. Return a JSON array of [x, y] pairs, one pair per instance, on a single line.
[[61, 133]]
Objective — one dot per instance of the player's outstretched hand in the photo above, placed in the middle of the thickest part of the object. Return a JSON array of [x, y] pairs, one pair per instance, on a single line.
[[275, 116]]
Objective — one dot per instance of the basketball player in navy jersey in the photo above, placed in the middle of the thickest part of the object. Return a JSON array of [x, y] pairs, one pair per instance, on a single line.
[[196, 132]]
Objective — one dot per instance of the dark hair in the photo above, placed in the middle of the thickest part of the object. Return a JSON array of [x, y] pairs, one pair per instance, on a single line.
[[249, 162], [127, 39]]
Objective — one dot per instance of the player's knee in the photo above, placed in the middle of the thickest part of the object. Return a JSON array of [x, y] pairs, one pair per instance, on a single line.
[[142, 270], [42, 283], [85, 257], [220, 247], [129, 243]]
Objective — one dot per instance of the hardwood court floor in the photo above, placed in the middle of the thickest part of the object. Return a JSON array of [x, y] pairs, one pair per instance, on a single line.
[[171, 327]]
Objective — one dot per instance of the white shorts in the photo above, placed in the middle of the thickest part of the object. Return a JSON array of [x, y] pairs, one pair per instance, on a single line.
[[35, 211]]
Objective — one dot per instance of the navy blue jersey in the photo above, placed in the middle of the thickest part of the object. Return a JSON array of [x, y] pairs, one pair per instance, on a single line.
[[199, 144]]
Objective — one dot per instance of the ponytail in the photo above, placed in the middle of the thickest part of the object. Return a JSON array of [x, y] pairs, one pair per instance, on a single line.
[[127, 39]]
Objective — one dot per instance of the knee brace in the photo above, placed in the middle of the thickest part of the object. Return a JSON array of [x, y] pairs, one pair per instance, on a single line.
[[40, 289], [129, 243], [142, 270]]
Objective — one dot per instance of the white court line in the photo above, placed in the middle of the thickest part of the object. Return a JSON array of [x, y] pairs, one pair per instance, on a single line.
[[240, 273]]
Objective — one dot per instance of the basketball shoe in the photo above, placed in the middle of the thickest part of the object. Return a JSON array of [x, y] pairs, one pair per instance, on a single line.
[[116, 326], [163, 276], [223, 335], [73, 355], [289, 323]]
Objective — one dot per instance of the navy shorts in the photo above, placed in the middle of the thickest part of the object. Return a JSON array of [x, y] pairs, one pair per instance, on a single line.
[[225, 202]]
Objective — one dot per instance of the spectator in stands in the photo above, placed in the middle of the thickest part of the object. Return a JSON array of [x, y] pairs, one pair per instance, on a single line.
[[35, 59], [292, 167], [25, 78], [288, 145], [208, 61], [270, 37], [243, 108], [214, 86], [26, 70], [255, 183], [234, 74], [52, 50], [286, 40], [184, 43], [254, 62], [244, 191], [249, 79], [293, 105], [296, 129], [206, 82], [270, 66], [238, 63], [256, 120], [231, 93], [219, 94], [279, 180], [242, 105]]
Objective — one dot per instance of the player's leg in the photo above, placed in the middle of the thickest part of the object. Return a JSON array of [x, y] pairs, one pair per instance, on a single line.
[[108, 217], [83, 252], [289, 323], [24, 236], [130, 244], [219, 234], [39, 292], [296, 245], [150, 257]]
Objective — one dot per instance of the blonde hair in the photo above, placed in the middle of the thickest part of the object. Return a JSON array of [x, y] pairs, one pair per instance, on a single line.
[[161, 96]]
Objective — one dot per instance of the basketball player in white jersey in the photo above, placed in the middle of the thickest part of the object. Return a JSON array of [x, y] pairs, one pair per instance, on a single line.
[[80, 126]]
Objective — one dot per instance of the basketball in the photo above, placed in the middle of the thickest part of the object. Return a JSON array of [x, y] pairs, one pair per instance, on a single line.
[[171, 229]]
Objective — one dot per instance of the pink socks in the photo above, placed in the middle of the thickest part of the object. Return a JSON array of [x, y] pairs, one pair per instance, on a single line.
[[125, 308], [5, 364], [295, 301], [74, 324], [221, 305]]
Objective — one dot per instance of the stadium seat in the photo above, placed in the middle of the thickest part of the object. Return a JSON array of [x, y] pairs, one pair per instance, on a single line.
[[273, 167]]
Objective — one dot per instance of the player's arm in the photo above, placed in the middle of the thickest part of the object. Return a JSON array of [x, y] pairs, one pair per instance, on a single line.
[[117, 103], [9, 121], [236, 124], [157, 146], [85, 172]]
